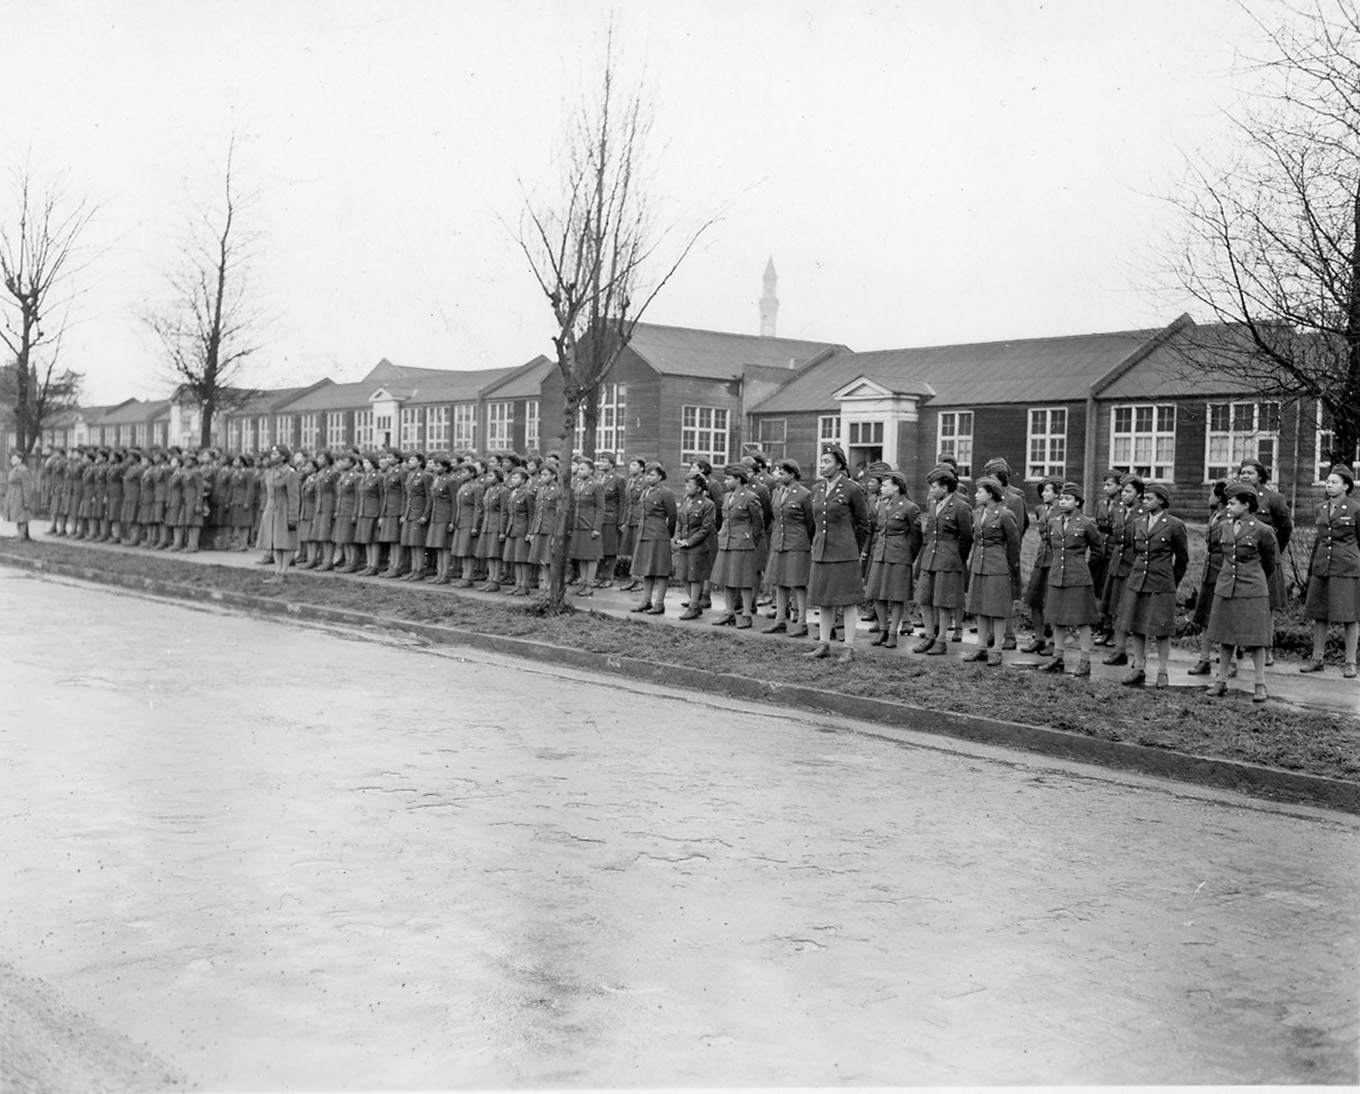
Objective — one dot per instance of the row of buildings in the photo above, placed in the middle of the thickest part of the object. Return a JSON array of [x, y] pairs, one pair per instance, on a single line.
[[1068, 406]]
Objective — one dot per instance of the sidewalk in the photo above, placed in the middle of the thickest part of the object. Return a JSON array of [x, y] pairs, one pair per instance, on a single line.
[[1325, 691]]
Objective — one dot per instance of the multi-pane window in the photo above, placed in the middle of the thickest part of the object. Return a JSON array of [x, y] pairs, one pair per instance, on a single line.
[[247, 435], [828, 429], [125, 433], [609, 425], [234, 435], [1047, 444], [531, 425], [772, 436], [307, 432], [465, 426], [437, 426], [1237, 432], [335, 428], [283, 429], [703, 433], [1326, 441], [866, 434], [956, 439], [500, 419], [262, 430], [1143, 440], [410, 427], [382, 427], [139, 434], [158, 432], [363, 428]]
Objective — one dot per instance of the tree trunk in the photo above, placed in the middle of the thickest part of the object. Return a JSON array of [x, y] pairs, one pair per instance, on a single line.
[[557, 572]]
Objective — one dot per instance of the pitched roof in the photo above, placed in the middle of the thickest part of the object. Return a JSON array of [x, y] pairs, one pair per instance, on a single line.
[[524, 382], [1190, 360], [720, 355], [329, 396], [1018, 371], [442, 385]]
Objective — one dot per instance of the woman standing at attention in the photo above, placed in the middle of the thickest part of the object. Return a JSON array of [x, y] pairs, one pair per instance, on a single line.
[[651, 559], [840, 519], [896, 541], [1160, 554], [279, 518], [1334, 572], [790, 558], [946, 541], [1241, 614], [1075, 541], [994, 559]]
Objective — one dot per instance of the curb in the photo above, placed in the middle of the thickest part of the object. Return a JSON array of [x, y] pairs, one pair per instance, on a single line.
[[1267, 782]]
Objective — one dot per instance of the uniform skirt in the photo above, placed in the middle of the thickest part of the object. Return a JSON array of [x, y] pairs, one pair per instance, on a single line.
[[515, 549], [540, 549], [1333, 599], [1036, 590], [940, 589], [651, 558], [241, 516], [438, 537], [628, 540], [1240, 621], [609, 541], [1073, 606], [890, 581], [692, 564], [1112, 600], [488, 545], [323, 524], [413, 534], [131, 504], [388, 530], [1204, 603], [735, 570], [1152, 615], [464, 543], [304, 529], [583, 548], [364, 529], [990, 595], [833, 584], [789, 569], [146, 509], [342, 530]]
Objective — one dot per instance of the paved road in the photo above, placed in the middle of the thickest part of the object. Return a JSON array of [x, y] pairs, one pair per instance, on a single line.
[[253, 855]]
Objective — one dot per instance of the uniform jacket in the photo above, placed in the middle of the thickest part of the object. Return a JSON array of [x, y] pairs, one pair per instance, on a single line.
[[417, 496], [633, 496], [1042, 515], [370, 494], [393, 492], [1335, 553], [996, 541], [307, 497], [897, 531], [113, 491], [441, 500], [1119, 544], [1160, 552], [1249, 554], [1075, 541], [659, 513], [493, 495], [1213, 546], [694, 520], [743, 519], [20, 495], [841, 519], [1274, 511], [547, 503], [325, 492], [347, 495], [791, 527], [243, 485], [519, 512], [946, 535], [1103, 517], [615, 499], [467, 506], [280, 490], [587, 505]]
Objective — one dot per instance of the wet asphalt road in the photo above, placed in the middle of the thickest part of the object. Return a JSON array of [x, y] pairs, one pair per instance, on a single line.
[[280, 857]]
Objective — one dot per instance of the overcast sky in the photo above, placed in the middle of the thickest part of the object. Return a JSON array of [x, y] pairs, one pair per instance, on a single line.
[[920, 172]]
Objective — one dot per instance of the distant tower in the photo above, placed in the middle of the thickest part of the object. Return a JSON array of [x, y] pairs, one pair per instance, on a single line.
[[769, 303]]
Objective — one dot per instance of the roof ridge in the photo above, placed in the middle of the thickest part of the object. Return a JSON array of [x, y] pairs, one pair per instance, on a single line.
[[1145, 332], [733, 334]]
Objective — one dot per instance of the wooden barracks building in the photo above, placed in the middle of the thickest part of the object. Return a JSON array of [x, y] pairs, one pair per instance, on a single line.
[[1069, 406]]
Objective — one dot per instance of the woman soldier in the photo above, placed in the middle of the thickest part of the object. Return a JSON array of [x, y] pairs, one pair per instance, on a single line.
[[991, 567], [1123, 517], [1148, 610], [155, 486], [615, 488], [651, 559], [841, 528], [1274, 511], [132, 497], [467, 517], [1074, 539], [415, 516], [20, 494], [637, 470], [695, 525], [1036, 590], [548, 501], [1213, 563], [946, 542], [790, 558], [196, 492], [347, 478], [279, 515], [734, 569], [519, 518], [323, 521], [1241, 613], [1103, 516], [174, 502], [240, 502], [715, 495], [308, 554], [1334, 572], [586, 523], [57, 497], [111, 528], [489, 539], [439, 537], [896, 542], [370, 509], [393, 502]]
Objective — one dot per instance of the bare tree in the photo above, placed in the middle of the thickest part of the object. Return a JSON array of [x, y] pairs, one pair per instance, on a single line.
[[39, 257], [209, 325], [1273, 243], [596, 254]]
